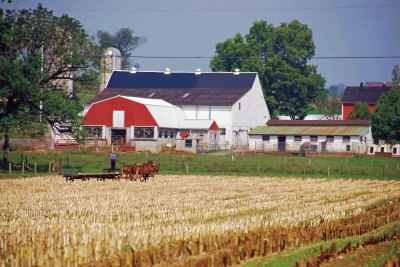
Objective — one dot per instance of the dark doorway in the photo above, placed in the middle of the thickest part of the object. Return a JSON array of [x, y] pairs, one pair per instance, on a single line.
[[118, 136], [281, 143]]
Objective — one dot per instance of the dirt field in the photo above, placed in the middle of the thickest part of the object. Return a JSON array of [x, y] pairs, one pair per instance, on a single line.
[[48, 221]]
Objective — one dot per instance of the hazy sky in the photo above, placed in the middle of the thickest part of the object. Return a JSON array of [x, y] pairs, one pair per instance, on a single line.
[[341, 28]]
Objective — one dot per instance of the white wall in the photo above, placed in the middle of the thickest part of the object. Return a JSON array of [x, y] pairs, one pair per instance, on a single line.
[[253, 110]]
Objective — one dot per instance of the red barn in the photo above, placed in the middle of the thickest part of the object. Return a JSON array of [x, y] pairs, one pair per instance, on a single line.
[[366, 94], [149, 123]]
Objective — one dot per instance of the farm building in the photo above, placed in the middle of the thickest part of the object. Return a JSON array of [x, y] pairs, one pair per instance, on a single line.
[[146, 124], [369, 94], [234, 100], [312, 136]]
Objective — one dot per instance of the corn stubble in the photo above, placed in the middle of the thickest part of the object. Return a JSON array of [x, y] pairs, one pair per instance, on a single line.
[[46, 221]]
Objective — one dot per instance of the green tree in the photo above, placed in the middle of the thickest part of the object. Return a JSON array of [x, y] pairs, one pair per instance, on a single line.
[[360, 112], [330, 107], [396, 75], [280, 55], [125, 41], [386, 117], [39, 54]]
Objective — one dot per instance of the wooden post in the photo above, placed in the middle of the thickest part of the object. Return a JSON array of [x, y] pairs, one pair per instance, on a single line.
[[233, 158], [49, 167], [9, 168], [187, 168], [23, 167], [35, 168], [328, 171], [258, 170], [309, 162], [397, 166], [304, 170]]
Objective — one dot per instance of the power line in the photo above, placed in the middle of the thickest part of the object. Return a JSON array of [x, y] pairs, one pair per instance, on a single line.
[[210, 57], [223, 10]]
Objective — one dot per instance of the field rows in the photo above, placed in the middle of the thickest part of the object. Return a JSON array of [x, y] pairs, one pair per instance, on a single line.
[[48, 221]]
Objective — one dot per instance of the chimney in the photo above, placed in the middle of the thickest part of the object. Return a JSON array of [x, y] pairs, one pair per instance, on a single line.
[[361, 84], [133, 70], [167, 71], [237, 72], [198, 71]]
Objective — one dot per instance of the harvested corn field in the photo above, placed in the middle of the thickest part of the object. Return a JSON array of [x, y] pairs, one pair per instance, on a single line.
[[169, 220]]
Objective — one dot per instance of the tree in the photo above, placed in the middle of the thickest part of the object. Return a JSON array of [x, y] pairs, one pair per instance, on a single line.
[[396, 75], [360, 112], [330, 107], [125, 41], [386, 117], [280, 55], [39, 53]]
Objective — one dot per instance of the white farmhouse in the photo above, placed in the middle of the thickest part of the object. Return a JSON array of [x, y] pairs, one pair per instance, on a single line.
[[234, 100]]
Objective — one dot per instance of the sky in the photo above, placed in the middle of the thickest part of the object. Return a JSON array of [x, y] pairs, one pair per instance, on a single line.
[[187, 28]]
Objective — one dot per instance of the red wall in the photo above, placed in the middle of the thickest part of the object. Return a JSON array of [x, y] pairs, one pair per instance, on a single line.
[[347, 108], [136, 114]]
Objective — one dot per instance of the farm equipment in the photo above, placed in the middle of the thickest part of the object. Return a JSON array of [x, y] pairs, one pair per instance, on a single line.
[[71, 174]]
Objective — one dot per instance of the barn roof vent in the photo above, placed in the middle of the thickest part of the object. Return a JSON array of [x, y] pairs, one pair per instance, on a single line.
[[185, 95], [198, 71], [167, 71], [151, 94], [133, 70], [237, 71]]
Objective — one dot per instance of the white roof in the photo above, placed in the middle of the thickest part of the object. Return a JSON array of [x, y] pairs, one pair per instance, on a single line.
[[149, 101], [195, 124], [167, 116]]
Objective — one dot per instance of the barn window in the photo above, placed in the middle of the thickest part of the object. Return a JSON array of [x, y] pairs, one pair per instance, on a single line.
[[265, 137], [313, 138], [346, 139], [330, 138], [222, 131], [144, 133], [297, 138], [348, 148], [165, 134], [94, 131], [171, 134], [188, 143], [160, 134]]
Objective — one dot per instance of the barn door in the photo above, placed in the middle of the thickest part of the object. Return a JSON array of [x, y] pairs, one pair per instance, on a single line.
[[118, 118]]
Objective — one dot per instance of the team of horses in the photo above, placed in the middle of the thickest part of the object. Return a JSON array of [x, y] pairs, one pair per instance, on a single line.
[[141, 171]]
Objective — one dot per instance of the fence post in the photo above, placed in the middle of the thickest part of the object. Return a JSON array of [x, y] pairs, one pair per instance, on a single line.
[[23, 167], [9, 168], [328, 171], [50, 167], [35, 168], [187, 168]]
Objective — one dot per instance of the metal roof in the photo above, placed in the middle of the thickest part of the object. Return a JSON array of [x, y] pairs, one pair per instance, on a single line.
[[209, 88], [309, 130], [275, 122]]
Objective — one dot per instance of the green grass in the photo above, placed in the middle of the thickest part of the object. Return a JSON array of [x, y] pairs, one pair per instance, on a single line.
[[249, 165], [85, 95]]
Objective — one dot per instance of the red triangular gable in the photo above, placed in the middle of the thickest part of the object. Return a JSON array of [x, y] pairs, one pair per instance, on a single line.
[[214, 127]]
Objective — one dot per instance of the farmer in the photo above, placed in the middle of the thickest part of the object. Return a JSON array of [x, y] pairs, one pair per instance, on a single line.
[[113, 160]]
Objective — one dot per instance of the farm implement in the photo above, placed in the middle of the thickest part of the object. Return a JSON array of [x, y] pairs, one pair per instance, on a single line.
[[71, 174]]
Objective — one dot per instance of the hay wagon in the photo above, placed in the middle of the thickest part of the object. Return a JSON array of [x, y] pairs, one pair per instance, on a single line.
[[71, 174]]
